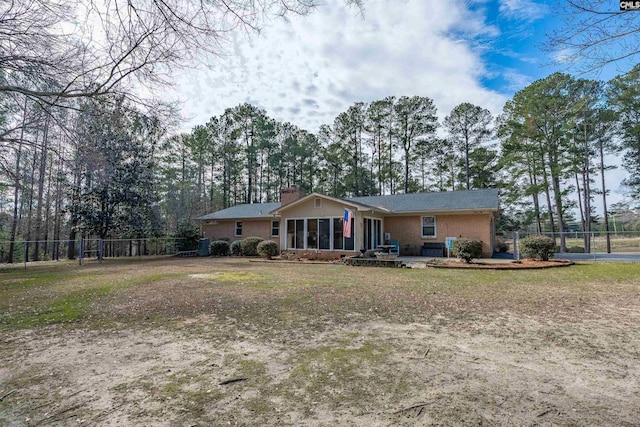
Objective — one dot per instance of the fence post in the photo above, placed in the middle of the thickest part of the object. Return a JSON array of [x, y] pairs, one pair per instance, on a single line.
[[100, 248], [81, 251]]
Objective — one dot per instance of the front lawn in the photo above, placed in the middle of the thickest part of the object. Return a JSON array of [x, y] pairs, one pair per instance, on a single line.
[[219, 341]]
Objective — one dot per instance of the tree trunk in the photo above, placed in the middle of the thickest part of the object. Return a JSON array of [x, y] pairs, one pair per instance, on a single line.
[[391, 191], [580, 207], [559, 210], [71, 251], [604, 195], [47, 212], [533, 180], [41, 177], [16, 189], [466, 156], [30, 208], [545, 180], [587, 193], [379, 160]]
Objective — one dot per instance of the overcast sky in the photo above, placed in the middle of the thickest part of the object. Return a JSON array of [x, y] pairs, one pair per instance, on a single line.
[[308, 69]]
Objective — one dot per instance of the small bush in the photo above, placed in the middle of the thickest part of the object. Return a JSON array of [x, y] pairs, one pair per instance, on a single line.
[[501, 245], [236, 247], [575, 250], [268, 249], [250, 246], [219, 248], [542, 247], [467, 249]]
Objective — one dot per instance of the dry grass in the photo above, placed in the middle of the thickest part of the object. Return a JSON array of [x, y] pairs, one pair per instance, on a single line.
[[148, 342]]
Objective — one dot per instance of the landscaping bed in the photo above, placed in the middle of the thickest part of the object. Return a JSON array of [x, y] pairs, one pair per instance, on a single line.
[[523, 264]]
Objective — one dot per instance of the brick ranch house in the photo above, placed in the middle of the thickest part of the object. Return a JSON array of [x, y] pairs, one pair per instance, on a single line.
[[314, 222]]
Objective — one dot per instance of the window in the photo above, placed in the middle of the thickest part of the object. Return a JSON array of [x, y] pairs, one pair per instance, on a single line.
[[317, 202], [324, 233], [238, 228], [295, 234], [338, 240], [350, 242], [299, 234], [291, 234], [318, 233], [428, 226], [312, 234], [372, 233], [275, 228]]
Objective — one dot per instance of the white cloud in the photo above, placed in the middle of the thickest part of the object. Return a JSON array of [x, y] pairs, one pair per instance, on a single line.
[[308, 69], [564, 56], [516, 81], [525, 10]]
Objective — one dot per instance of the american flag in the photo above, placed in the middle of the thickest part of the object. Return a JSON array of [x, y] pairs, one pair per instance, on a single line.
[[346, 223]]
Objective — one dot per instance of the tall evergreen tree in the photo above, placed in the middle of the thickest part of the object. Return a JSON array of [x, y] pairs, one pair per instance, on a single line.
[[415, 120], [468, 126]]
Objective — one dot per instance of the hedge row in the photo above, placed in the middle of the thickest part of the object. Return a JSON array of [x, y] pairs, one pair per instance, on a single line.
[[251, 246]]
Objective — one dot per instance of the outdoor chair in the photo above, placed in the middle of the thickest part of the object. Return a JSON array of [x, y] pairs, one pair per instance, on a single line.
[[396, 250]]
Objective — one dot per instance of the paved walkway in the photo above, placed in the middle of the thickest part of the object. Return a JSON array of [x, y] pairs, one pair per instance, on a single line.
[[423, 259], [625, 257], [618, 257]]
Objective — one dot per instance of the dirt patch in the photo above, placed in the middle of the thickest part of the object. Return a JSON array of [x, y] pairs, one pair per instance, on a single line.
[[506, 370]]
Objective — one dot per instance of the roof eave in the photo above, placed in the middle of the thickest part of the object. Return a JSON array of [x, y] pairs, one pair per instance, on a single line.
[[238, 218], [444, 211], [358, 206]]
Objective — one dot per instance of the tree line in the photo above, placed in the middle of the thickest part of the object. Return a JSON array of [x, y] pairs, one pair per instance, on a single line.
[[107, 168]]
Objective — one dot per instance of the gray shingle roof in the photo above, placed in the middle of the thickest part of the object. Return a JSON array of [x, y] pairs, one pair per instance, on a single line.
[[399, 203], [253, 210], [433, 202]]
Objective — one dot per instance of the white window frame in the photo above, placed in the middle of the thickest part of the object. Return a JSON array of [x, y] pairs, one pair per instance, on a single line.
[[435, 228], [277, 227], [285, 221], [235, 231], [374, 241], [286, 232]]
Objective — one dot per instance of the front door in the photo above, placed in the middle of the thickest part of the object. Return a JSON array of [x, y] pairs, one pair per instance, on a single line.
[[372, 233]]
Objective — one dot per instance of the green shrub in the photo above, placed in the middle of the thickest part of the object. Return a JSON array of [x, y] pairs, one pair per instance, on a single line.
[[268, 249], [575, 250], [250, 246], [236, 247], [467, 249], [542, 247], [219, 247], [501, 245]]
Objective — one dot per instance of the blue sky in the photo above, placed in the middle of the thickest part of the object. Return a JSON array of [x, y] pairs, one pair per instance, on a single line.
[[515, 57], [308, 69]]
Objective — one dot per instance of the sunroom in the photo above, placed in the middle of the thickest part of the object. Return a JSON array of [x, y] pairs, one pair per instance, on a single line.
[[316, 223]]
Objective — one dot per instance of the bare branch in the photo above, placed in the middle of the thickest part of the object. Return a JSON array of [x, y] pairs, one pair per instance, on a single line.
[[595, 34]]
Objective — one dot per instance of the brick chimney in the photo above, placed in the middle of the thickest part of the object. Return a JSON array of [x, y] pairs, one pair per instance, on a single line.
[[291, 194]]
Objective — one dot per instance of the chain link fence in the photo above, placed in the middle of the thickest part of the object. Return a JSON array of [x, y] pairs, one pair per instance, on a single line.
[[579, 242]]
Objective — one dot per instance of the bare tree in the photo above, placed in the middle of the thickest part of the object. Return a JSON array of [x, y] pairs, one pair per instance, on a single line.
[[55, 50], [595, 33]]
